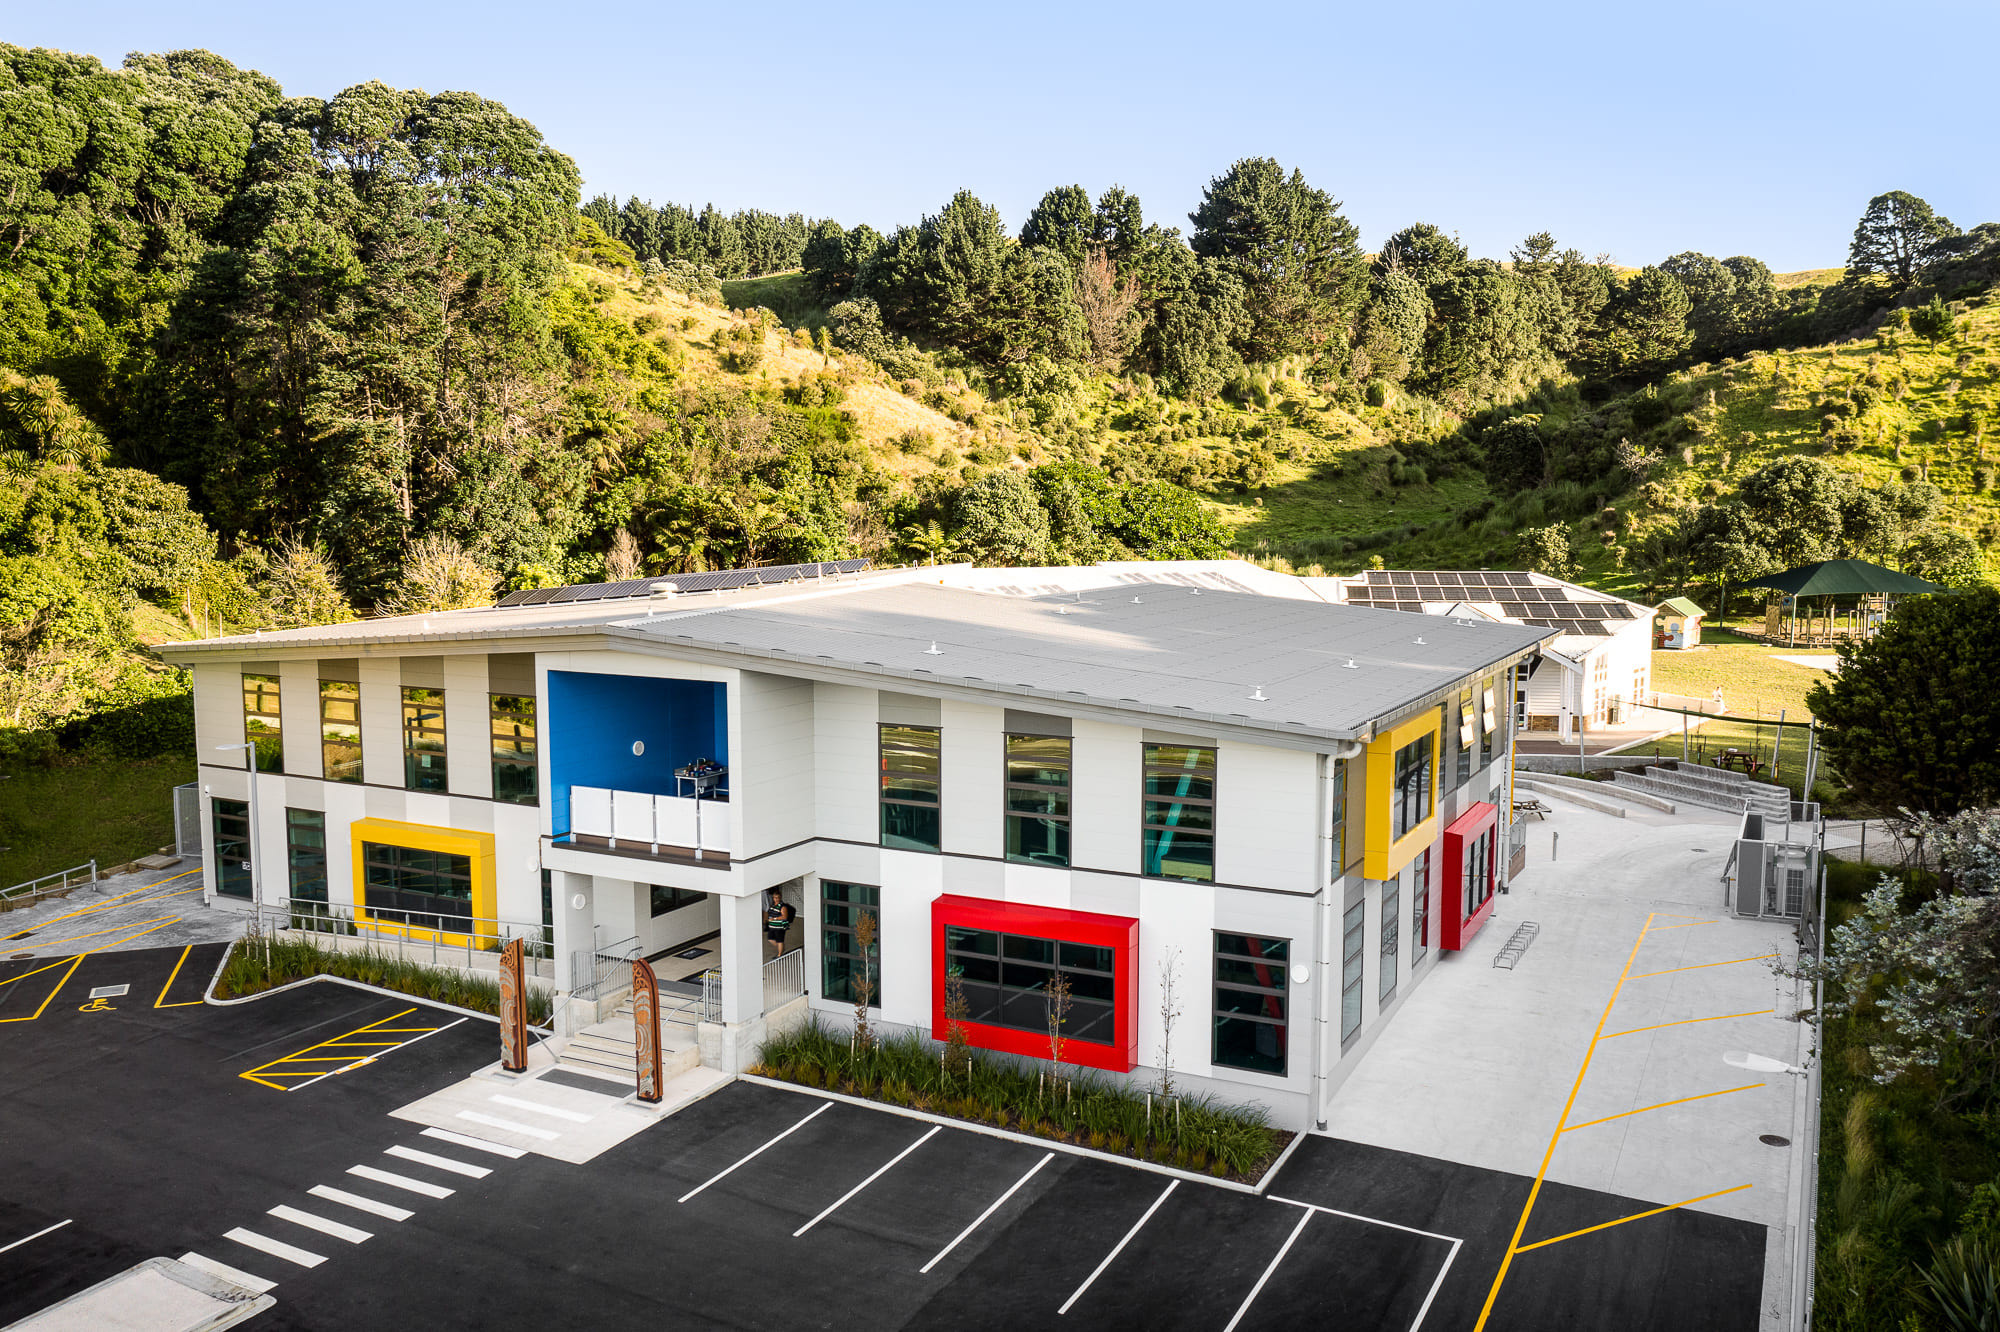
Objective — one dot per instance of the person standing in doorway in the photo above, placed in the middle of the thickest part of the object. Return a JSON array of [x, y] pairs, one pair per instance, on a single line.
[[778, 915]]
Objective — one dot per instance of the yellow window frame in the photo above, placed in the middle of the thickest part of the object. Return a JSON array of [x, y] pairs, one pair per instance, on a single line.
[[1383, 855], [476, 847]]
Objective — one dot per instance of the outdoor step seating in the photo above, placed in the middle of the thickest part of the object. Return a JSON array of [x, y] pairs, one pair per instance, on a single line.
[[1561, 782], [1711, 788]]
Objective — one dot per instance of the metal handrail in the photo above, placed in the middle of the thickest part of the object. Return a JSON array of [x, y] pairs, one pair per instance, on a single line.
[[442, 934], [32, 890]]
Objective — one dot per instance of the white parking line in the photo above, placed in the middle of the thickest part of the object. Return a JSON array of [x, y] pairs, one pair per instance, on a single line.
[[477, 1144], [401, 1181], [1118, 1248], [988, 1212], [552, 1111], [291, 1253], [235, 1275], [337, 1229], [824, 1106], [438, 1162], [1276, 1258], [1436, 1285], [360, 1204], [58, 1226], [494, 1121], [883, 1170]]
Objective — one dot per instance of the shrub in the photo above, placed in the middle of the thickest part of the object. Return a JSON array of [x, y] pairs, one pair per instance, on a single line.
[[247, 972]]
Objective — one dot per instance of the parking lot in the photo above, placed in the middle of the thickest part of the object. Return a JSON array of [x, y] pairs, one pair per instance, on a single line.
[[137, 1134]]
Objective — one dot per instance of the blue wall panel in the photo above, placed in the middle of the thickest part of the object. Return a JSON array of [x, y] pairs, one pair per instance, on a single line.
[[593, 720]]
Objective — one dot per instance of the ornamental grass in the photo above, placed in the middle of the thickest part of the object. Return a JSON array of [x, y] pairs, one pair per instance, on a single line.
[[1066, 1104], [248, 972]]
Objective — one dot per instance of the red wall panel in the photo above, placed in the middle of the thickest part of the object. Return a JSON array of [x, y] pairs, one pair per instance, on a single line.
[[1456, 925]]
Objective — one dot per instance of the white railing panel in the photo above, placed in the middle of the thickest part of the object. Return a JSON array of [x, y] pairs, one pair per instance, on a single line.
[[590, 811], [632, 816], [676, 821], [715, 825]]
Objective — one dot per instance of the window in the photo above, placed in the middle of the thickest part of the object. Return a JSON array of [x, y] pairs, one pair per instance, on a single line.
[[1352, 925], [1250, 984], [1179, 828], [1006, 978], [1478, 871], [1339, 835], [1459, 715], [1420, 910], [910, 789], [1412, 795], [1489, 720], [340, 730], [1392, 938], [548, 908], [414, 886], [673, 899], [232, 847], [305, 853], [423, 739], [1038, 799], [261, 724], [514, 773], [841, 906]]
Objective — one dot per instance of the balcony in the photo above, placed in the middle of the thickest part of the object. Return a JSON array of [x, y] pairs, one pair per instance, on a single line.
[[659, 827]]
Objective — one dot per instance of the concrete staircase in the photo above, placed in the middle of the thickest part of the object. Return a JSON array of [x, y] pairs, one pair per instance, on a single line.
[[1710, 788], [1604, 797], [610, 1049]]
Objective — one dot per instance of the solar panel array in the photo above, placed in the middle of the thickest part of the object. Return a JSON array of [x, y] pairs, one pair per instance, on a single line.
[[720, 580], [1518, 596]]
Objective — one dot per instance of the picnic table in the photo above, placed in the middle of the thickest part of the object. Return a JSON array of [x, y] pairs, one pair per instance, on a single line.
[[1522, 808], [1742, 759]]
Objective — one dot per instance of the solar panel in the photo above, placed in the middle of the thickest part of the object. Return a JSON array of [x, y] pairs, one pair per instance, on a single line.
[[1403, 579], [713, 581]]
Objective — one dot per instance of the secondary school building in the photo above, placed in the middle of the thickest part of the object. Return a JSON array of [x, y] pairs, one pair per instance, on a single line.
[[1293, 808]]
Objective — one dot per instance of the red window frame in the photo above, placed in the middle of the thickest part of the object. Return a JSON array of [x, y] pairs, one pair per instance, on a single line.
[[1118, 933], [1455, 926]]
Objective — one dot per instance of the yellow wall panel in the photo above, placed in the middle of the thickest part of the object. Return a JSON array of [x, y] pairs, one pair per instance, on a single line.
[[475, 846], [1383, 854]]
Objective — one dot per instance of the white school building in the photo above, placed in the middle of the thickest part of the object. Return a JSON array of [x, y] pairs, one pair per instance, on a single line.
[[1300, 807]]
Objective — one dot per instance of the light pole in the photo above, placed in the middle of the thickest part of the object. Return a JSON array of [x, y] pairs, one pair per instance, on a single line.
[[249, 749]]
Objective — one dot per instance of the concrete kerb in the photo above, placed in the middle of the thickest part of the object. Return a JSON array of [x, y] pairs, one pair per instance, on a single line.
[[209, 997], [1572, 796], [1029, 1140]]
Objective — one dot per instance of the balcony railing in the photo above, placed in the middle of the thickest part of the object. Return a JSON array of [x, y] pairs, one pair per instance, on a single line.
[[637, 818]]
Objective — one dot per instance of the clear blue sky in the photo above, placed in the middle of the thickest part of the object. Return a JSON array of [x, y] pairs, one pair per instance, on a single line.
[[1753, 127]]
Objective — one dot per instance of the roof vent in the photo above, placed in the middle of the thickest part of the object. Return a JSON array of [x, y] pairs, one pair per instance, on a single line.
[[1194, 591], [933, 650], [1135, 601], [1258, 695], [1420, 640], [1349, 665]]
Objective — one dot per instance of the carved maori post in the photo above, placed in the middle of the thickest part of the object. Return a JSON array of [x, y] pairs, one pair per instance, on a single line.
[[646, 1038], [513, 1010]]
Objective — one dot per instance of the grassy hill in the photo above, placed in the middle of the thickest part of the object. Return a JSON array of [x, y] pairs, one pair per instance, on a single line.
[[1307, 482]]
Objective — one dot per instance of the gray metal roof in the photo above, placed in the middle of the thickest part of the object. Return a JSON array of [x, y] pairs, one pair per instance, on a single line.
[[1168, 652]]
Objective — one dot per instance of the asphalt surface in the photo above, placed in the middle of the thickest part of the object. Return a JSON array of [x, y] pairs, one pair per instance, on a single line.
[[756, 1207]]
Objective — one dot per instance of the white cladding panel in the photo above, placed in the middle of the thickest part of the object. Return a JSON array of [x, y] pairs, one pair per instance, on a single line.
[[382, 720], [911, 880], [298, 715], [974, 759], [1037, 885], [1105, 764], [1175, 924], [218, 713], [468, 726], [1266, 817], [771, 770], [845, 757]]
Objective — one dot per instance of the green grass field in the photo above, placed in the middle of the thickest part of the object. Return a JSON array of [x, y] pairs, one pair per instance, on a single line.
[[1754, 684], [110, 809]]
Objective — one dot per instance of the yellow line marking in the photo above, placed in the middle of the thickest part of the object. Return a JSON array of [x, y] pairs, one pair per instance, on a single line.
[[1761, 957], [161, 1002], [1690, 925], [1720, 1017], [1637, 1216], [1514, 1244], [77, 962], [36, 972], [113, 929], [340, 1042], [1755, 1086], [120, 899]]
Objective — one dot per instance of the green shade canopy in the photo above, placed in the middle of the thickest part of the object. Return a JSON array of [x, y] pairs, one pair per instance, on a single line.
[[1843, 578]]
